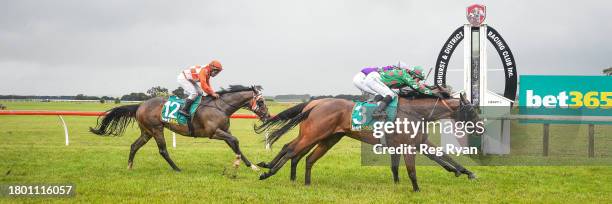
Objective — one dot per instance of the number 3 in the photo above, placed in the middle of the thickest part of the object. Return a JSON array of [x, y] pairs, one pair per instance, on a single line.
[[577, 99]]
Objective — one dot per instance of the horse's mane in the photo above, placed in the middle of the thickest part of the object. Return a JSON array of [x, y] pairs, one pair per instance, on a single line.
[[419, 95], [237, 88]]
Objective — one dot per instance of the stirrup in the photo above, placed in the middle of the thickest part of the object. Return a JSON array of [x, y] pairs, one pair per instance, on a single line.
[[379, 115]]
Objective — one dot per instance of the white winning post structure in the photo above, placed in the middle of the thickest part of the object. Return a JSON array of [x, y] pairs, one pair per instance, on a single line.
[[496, 139]]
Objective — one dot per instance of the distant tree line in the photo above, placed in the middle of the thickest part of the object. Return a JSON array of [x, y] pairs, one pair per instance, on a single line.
[[153, 92], [35, 97], [159, 91], [342, 96], [156, 91], [85, 97], [292, 98]]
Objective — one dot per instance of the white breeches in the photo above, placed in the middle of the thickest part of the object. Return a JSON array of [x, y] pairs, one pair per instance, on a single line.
[[373, 82], [359, 82], [191, 89]]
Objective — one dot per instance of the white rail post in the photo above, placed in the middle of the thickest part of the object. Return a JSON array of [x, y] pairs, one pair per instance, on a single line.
[[173, 140], [65, 129]]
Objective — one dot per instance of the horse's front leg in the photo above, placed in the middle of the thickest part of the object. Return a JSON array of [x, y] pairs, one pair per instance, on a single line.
[[233, 143], [275, 160], [449, 164], [395, 159], [409, 159]]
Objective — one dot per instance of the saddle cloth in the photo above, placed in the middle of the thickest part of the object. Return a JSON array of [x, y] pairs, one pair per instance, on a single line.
[[170, 110], [361, 118]]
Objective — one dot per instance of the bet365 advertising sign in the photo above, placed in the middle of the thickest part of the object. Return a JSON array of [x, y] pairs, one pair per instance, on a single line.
[[565, 95]]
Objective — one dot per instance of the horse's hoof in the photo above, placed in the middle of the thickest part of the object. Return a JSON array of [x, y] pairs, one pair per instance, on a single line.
[[230, 172], [457, 173], [177, 170], [254, 167], [263, 176], [471, 176], [236, 164], [416, 190], [262, 165]]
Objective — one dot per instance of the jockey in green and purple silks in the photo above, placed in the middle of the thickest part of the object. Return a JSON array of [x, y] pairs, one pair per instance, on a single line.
[[368, 81], [400, 78]]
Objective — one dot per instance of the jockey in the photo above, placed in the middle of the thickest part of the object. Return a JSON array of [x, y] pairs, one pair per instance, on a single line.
[[365, 80], [380, 81], [189, 78], [400, 78]]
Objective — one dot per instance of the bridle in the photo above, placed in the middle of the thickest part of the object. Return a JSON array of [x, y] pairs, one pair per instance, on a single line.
[[254, 102], [465, 110]]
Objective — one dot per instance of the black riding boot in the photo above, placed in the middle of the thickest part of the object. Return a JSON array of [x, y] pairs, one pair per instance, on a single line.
[[380, 113], [185, 109], [377, 98]]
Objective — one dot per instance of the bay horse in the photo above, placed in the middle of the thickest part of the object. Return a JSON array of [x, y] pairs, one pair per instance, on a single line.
[[324, 122], [211, 119]]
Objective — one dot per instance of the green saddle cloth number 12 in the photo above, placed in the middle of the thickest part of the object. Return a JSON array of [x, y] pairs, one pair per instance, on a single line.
[[170, 110]]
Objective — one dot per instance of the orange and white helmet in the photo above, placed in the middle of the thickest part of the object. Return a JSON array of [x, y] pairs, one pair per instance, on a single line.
[[215, 65]]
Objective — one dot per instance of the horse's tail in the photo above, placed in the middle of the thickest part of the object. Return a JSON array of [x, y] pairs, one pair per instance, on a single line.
[[115, 121], [283, 122]]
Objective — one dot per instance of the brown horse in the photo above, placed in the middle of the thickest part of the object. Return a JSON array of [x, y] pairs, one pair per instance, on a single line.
[[324, 122], [211, 119]]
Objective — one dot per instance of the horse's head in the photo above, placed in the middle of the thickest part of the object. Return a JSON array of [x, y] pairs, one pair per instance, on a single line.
[[466, 111], [257, 104], [250, 98]]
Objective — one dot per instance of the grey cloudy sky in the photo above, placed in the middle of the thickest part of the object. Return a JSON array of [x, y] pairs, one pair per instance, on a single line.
[[113, 47]]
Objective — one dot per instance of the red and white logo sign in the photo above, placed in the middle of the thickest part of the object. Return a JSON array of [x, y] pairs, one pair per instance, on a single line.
[[476, 14]]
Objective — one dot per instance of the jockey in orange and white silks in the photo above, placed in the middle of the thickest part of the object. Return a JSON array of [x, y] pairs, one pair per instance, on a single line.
[[189, 78]]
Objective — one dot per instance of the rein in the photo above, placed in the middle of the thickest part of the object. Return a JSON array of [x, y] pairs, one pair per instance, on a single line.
[[216, 106], [236, 107], [253, 104], [436, 104]]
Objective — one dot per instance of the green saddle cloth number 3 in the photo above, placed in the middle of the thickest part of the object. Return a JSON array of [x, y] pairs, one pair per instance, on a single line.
[[361, 118]]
